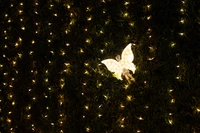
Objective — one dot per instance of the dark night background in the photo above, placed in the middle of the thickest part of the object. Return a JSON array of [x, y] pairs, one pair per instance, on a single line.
[[52, 79]]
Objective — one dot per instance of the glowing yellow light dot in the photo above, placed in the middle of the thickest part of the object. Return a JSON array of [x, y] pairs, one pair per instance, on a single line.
[[149, 17], [21, 4], [28, 116], [122, 126], [5, 74], [16, 44], [198, 110], [126, 3], [89, 18], [86, 64], [32, 41], [49, 40], [6, 15], [87, 40], [172, 101], [122, 106], [62, 53], [20, 55], [131, 24], [181, 34], [14, 63], [182, 21], [88, 9], [81, 50], [140, 118], [20, 11], [86, 107], [8, 120], [170, 122], [106, 97], [172, 44], [68, 6], [99, 115], [148, 6], [125, 15], [87, 129], [13, 103], [55, 14], [182, 10], [138, 131], [9, 21], [72, 22], [129, 98], [67, 44]]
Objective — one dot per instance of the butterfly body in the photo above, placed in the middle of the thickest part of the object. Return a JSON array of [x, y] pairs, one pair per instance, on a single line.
[[121, 66]]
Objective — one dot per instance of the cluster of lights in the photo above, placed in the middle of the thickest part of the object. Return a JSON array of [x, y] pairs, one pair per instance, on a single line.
[[182, 13]]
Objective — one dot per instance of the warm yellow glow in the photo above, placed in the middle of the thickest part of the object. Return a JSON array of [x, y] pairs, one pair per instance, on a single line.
[[140, 118], [34, 98], [32, 41], [126, 3], [131, 24], [122, 126], [182, 21], [181, 34], [87, 129], [129, 98], [86, 107], [125, 15], [173, 44], [16, 44], [122, 106], [88, 41], [46, 80], [8, 120], [172, 101], [149, 17], [170, 121], [99, 115], [89, 18], [20, 55]]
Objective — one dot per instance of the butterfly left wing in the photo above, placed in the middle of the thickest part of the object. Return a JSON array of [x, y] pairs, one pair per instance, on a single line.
[[113, 66]]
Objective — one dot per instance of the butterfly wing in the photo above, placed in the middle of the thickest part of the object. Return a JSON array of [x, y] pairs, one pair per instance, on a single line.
[[127, 54], [113, 66], [127, 58]]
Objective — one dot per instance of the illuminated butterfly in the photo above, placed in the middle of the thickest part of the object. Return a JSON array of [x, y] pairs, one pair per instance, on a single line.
[[122, 66]]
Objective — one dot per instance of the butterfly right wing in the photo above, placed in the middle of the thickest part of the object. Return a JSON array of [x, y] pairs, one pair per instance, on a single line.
[[113, 66]]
